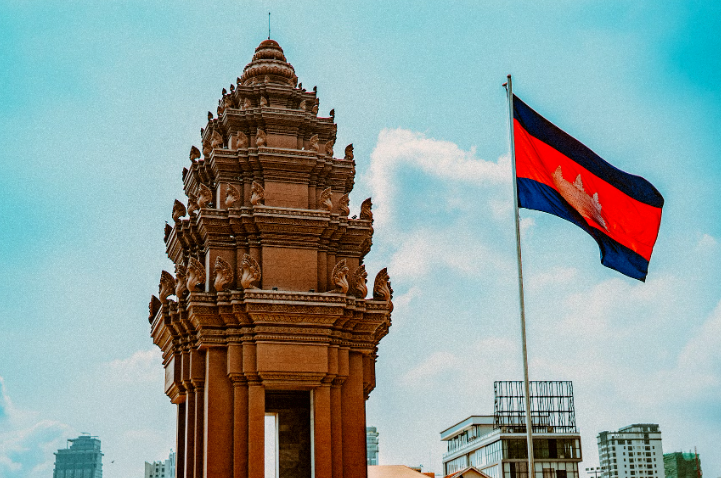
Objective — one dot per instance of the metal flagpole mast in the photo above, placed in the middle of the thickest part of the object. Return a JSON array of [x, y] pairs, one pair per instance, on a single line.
[[529, 423]]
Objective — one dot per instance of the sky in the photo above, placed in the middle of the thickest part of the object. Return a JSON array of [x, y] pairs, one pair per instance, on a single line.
[[101, 101]]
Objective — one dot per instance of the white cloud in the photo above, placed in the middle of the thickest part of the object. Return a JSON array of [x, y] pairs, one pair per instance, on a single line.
[[435, 158], [436, 364], [405, 299], [554, 276], [469, 365], [426, 251], [706, 242], [27, 443], [143, 366], [698, 369]]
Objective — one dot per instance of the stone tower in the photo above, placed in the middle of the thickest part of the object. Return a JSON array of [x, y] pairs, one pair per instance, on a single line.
[[269, 313]]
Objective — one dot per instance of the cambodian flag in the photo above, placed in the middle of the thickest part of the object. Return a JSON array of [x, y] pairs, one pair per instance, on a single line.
[[557, 174]]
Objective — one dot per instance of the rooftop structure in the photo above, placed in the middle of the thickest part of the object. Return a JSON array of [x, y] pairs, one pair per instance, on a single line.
[[82, 458], [633, 451], [496, 444], [271, 314]]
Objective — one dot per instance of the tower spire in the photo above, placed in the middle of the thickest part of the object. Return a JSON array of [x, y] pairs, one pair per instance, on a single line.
[[268, 25]]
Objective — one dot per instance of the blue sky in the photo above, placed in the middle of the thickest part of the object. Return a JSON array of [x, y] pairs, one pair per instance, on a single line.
[[100, 102]]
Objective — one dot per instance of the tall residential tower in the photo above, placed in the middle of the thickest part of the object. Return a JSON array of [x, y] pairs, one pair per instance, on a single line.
[[631, 452]]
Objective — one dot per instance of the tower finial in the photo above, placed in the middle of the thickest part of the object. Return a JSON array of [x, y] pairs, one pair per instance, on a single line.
[[268, 25]]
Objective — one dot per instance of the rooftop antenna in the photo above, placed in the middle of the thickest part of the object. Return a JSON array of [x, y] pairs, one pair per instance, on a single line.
[[268, 25]]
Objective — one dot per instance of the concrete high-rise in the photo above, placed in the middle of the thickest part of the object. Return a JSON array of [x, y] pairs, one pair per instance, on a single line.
[[161, 469], [634, 451], [270, 315], [82, 459], [372, 445]]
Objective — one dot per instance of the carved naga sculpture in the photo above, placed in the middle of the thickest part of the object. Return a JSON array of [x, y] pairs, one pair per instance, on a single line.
[[358, 282], [260, 138], [205, 196], [382, 288], [196, 274], [153, 308], [343, 205], [207, 148], [313, 143], [178, 210], [339, 277], [166, 286], [238, 141], [325, 199], [249, 272], [194, 154], [232, 196], [192, 204], [216, 140], [329, 148], [257, 194], [223, 274], [181, 278], [365, 211]]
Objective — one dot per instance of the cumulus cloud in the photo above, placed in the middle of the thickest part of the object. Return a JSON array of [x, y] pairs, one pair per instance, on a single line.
[[27, 442], [698, 368], [551, 277], [706, 242], [435, 158], [423, 251], [143, 366], [468, 365]]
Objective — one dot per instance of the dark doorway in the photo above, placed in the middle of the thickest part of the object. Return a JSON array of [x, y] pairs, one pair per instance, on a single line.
[[292, 409]]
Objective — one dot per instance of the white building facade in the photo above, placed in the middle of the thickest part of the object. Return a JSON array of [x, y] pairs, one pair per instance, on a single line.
[[161, 469], [634, 451], [496, 444]]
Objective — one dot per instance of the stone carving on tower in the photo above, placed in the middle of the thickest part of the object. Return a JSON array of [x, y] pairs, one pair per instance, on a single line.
[[298, 340]]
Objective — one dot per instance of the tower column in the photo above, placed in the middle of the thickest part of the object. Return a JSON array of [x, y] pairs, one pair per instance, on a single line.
[[189, 466], [322, 432], [353, 406], [336, 414], [256, 430], [197, 375], [240, 430], [218, 433], [240, 410], [180, 442]]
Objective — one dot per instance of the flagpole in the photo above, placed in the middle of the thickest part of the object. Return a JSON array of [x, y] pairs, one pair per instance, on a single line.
[[529, 423]]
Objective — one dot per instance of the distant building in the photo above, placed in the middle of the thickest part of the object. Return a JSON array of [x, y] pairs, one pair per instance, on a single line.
[[496, 444], [682, 465], [82, 459], [631, 452], [372, 445], [161, 469]]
